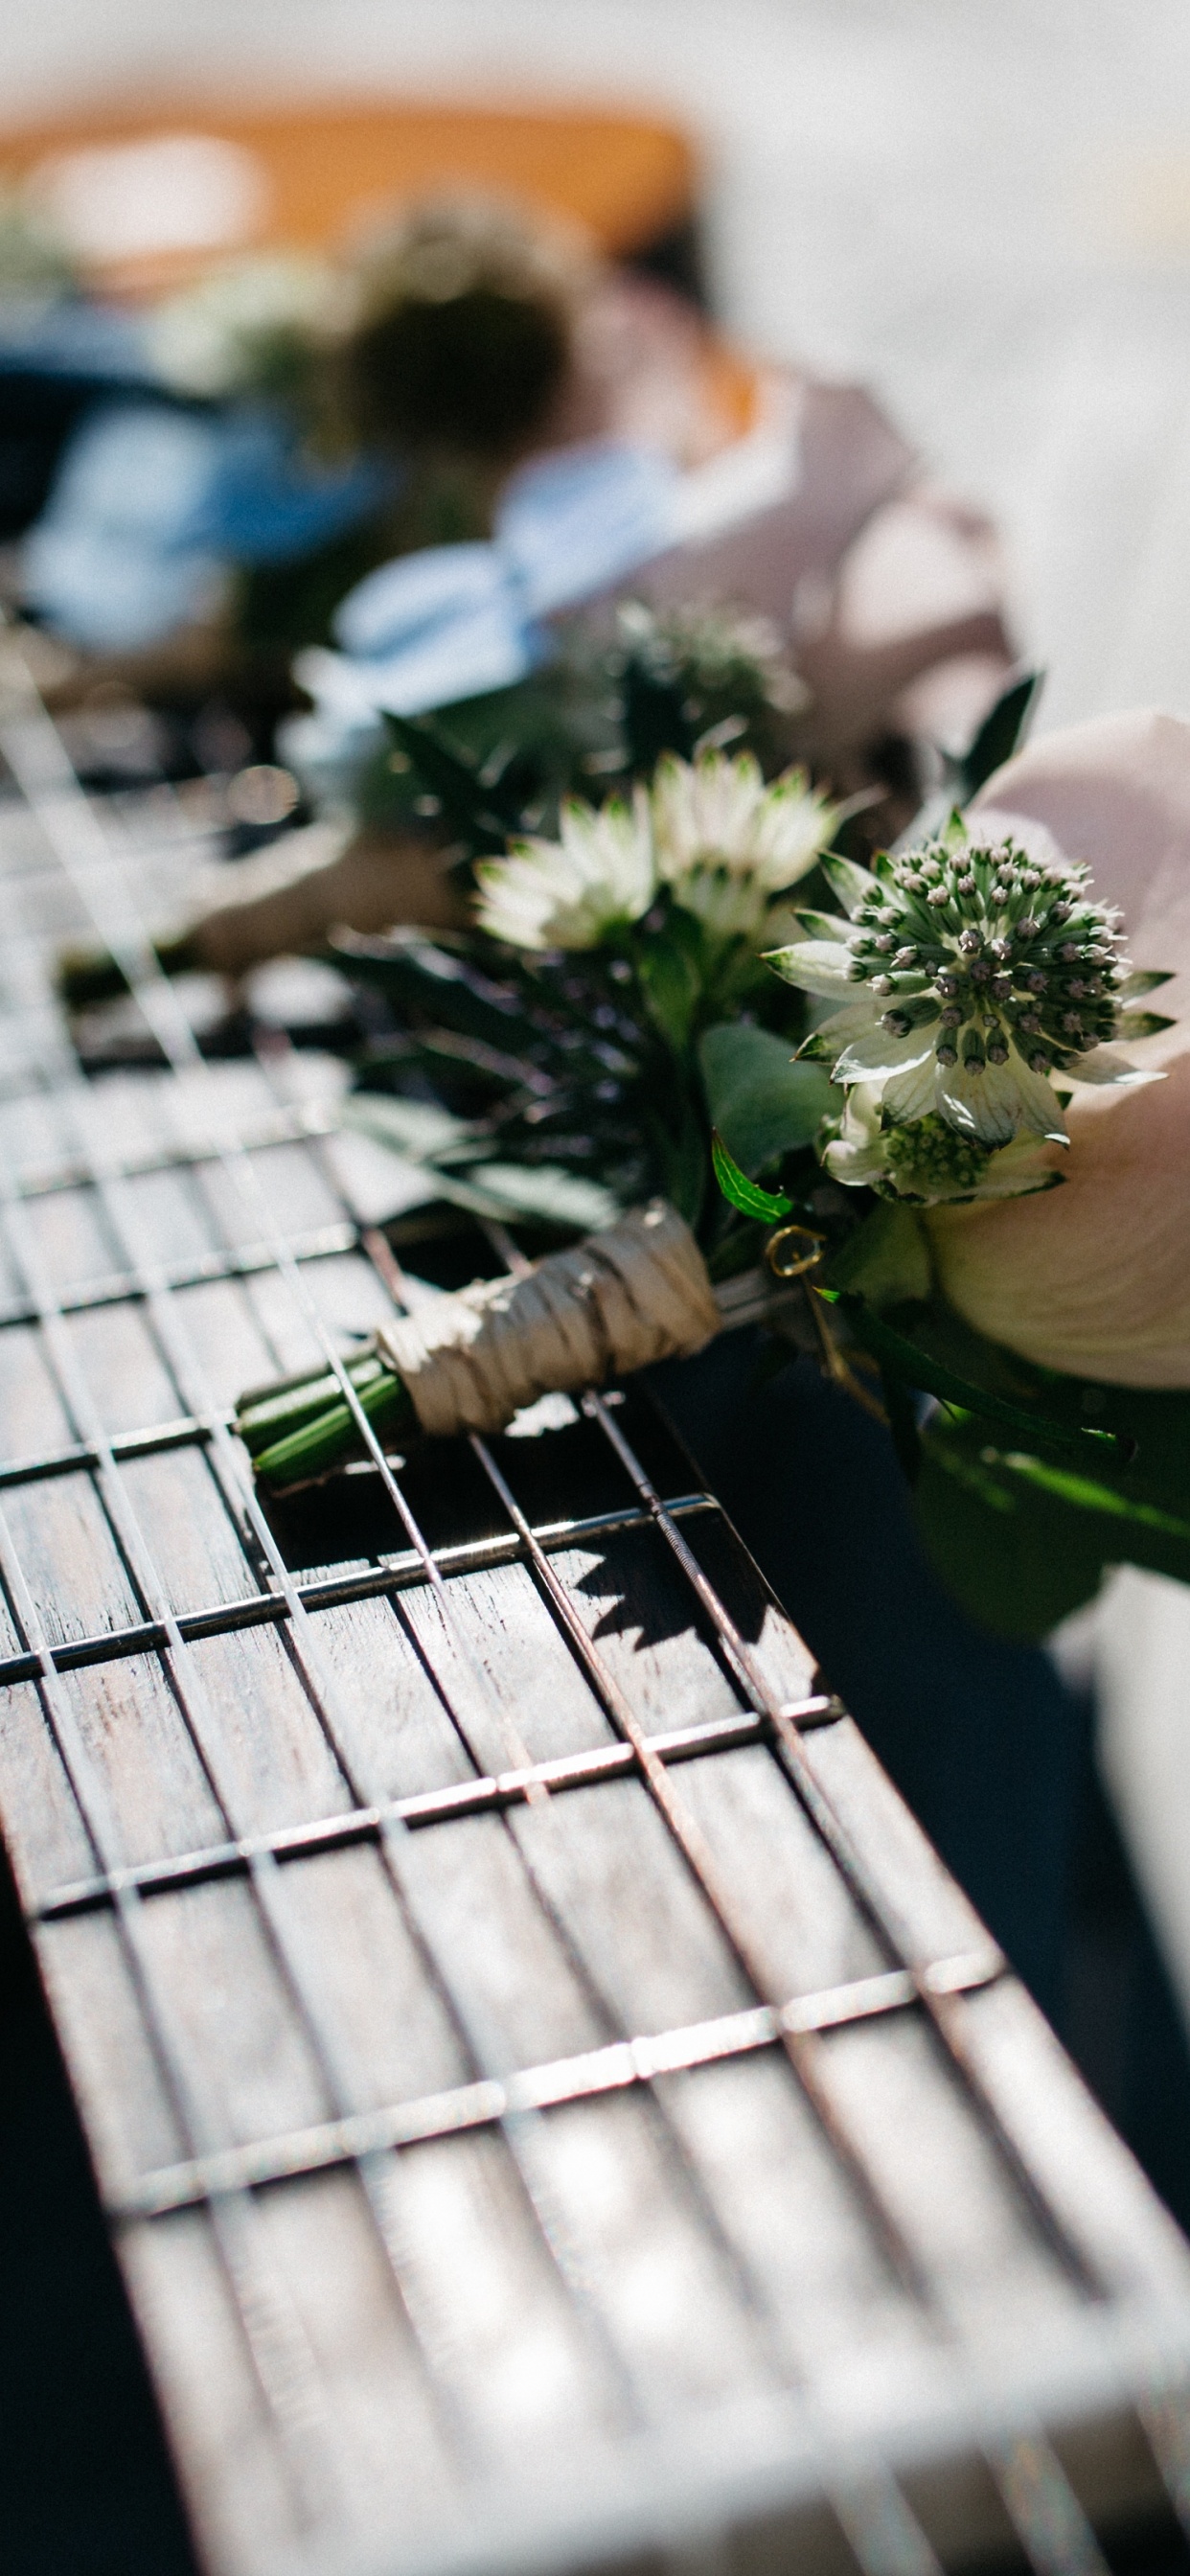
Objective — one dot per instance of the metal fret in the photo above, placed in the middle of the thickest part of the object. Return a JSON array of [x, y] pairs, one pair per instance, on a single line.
[[537, 2088], [245, 1261], [284, 1127], [481, 1796], [403, 1573]]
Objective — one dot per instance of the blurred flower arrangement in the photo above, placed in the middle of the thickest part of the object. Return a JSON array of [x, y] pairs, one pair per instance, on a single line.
[[453, 788]]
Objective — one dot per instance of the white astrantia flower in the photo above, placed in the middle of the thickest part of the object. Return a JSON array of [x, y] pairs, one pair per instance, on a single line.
[[928, 1162], [597, 877], [728, 906], [972, 981], [711, 832], [727, 842]]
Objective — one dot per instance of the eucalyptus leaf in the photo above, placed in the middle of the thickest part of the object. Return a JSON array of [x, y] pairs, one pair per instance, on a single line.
[[763, 1104]]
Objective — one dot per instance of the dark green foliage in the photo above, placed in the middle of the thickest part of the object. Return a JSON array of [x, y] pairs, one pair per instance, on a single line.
[[1001, 734], [482, 803], [928, 1346], [589, 1064], [1015, 1568], [499, 764], [1028, 1484], [1023, 1539], [597, 715], [763, 1103], [692, 673]]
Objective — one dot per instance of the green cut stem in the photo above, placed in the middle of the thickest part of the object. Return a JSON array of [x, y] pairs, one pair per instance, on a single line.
[[328, 1438], [266, 1415]]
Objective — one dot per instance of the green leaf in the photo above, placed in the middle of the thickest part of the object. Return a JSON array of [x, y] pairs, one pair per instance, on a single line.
[[912, 1354], [418, 1129], [472, 803], [435, 1142], [1017, 1560], [762, 1103], [1001, 733], [1133, 1440], [742, 1193], [425, 976], [1022, 1541], [669, 965], [1091, 1494], [886, 1260], [545, 1191]]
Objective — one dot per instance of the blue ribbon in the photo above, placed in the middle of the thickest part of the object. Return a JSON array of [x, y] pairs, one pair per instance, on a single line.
[[455, 621], [150, 502], [266, 503]]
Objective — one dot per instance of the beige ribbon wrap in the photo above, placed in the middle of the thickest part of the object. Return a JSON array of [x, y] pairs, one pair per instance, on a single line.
[[636, 1292]]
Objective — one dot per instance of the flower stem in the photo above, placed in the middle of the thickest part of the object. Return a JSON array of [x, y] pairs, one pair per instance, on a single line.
[[267, 1414], [306, 1428]]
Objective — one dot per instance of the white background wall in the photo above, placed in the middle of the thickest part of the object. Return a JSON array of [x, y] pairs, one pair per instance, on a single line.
[[981, 205]]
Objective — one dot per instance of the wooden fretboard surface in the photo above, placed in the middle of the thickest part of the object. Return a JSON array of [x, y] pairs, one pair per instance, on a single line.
[[553, 2107]]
